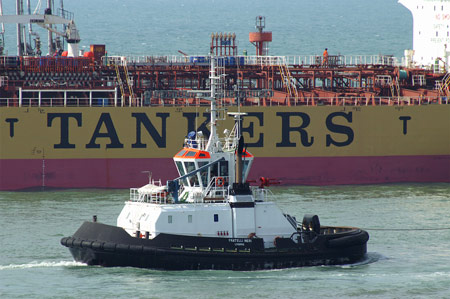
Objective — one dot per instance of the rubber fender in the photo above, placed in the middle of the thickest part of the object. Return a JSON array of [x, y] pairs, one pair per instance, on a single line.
[[64, 241], [136, 248], [86, 244], [148, 250], [96, 245], [107, 246], [352, 240], [76, 243], [122, 247]]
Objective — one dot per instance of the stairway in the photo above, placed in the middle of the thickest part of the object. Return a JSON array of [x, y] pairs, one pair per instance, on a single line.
[[125, 83], [288, 81], [445, 86]]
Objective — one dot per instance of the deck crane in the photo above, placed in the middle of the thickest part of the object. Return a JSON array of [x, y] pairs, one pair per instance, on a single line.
[[45, 21]]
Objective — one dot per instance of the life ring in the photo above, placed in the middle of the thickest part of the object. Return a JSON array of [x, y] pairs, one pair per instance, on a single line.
[[219, 181]]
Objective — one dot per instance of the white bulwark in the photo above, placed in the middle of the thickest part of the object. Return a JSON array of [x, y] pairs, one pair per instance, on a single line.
[[431, 31]]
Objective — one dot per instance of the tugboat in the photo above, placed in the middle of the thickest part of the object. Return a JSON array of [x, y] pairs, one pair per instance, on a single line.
[[211, 218]]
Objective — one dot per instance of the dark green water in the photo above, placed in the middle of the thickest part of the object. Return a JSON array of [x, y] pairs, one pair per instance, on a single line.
[[409, 248]]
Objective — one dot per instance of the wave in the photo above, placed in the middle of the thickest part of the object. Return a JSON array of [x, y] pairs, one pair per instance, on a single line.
[[41, 265], [371, 257]]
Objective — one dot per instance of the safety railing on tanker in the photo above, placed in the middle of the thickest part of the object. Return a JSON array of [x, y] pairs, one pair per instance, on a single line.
[[356, 101], [274, 101], [305, 60], [58, 102]]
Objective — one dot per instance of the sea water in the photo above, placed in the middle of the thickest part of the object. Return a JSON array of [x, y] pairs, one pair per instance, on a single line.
[[408, 251], [409, 227], [299, 27]]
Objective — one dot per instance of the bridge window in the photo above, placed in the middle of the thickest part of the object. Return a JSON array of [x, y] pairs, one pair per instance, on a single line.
[[245, 166], [223, 168], [204, 173], [169, 219], [181, 171], [189, 218], [220, 170], [193, 180], [216, 217], [181, 153], [191, 154]]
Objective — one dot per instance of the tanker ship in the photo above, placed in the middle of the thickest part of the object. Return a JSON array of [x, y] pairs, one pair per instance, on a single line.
[[94, 120]]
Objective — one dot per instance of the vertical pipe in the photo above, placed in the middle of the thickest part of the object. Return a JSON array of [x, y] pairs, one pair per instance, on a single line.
[[1, 14], [20, 96], [19, 29], [51, 50], [30, 27], [212, 136], [115, 96]]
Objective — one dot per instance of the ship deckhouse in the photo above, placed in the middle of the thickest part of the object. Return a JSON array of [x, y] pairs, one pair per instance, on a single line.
[[431, 31], [209, 183]]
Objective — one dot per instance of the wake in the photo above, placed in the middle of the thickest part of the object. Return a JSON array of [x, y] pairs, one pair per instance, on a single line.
[[42, 265]]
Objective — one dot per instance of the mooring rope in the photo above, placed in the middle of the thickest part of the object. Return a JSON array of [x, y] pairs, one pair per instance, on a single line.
[[407, 229]]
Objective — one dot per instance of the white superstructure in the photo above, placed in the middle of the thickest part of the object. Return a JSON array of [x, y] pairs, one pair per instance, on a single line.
[[431, 31], [210, 198]]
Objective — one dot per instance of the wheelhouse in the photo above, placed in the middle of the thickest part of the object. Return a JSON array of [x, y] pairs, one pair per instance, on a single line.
[[221, 174]]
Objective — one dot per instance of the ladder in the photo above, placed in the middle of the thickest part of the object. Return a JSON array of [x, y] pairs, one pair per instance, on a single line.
[[395, 88], [129, 82], [220, 74], [445, 86], [119, 80], [122, 75], [288, 81]]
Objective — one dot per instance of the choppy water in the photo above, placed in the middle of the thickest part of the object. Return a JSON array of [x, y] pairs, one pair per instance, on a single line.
[[409, 248]]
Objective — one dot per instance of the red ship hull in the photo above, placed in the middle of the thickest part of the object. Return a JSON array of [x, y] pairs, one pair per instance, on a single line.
[[19, 174]]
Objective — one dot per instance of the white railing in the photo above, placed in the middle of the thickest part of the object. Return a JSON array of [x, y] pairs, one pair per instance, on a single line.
[[157, 197], [197, 143], [217, 188], [342, 60], [260, 194]]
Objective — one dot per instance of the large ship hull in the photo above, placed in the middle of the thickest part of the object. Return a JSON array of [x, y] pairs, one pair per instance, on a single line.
[[109, 147]]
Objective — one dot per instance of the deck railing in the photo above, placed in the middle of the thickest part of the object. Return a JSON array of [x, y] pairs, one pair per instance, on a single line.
[[194, 102], [304, 60]]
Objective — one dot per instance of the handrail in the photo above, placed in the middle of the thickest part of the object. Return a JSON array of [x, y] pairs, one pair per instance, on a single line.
[[343, 60], [212, 187], [274, 101]]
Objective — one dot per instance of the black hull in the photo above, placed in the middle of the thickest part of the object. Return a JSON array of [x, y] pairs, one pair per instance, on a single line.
[[104, 245]]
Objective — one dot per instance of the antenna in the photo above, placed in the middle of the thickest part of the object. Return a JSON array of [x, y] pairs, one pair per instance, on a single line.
[[149, 174]]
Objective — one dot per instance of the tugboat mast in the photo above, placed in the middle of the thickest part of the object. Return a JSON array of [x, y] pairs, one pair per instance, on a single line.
[[213, 138]]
